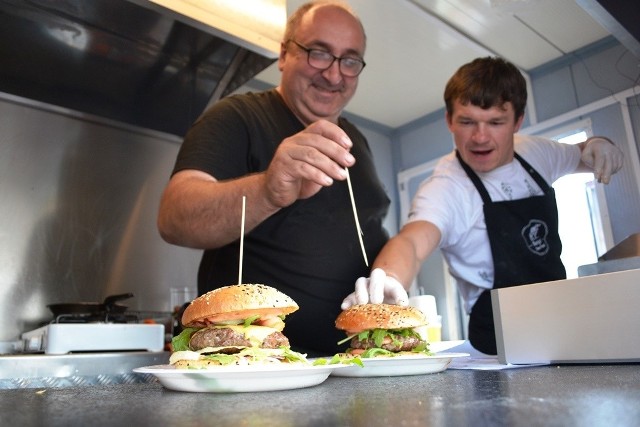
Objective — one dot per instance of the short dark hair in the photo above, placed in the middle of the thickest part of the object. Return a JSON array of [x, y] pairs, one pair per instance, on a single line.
[[487, 82]]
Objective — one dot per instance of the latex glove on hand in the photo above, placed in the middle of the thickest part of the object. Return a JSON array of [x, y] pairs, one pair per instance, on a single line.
[[603, 157], [377, 288]]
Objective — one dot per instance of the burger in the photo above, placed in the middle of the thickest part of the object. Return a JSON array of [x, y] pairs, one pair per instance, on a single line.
[[382, 330], [235, 325]]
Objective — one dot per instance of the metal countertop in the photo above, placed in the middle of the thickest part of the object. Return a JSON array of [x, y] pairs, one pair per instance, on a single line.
[[562, 395]]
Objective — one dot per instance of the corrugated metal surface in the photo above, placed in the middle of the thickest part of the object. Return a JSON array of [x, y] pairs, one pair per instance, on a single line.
[[76, 370]]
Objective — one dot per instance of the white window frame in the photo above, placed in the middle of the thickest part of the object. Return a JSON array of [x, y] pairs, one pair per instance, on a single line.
[[600, 220]]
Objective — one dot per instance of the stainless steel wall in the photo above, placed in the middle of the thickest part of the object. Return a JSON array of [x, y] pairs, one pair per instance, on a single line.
[[78, 202]]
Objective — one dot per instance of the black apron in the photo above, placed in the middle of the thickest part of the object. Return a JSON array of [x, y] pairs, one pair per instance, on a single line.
[[525, 247]]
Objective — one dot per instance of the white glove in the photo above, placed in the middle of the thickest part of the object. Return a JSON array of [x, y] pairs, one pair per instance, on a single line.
[[378, 288], [603, 157]]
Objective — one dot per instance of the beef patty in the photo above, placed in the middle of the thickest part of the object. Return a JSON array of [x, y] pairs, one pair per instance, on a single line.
[[227, 337], [398, 343]]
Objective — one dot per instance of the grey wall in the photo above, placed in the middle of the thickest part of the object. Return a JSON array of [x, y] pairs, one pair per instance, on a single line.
[[422, 140], [380, 143]]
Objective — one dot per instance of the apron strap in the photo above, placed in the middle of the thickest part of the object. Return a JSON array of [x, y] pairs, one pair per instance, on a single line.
[[544, 186], [475, 179]]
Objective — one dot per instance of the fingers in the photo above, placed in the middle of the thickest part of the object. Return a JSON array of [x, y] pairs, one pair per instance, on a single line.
[[323, 141], [348, 301], [394, 292], [613, 163], [359, 296], [603, 157], [376, 286], [398, 295], [606, 163], [362, 292], [330, 131], [308, 161], [599, 171]]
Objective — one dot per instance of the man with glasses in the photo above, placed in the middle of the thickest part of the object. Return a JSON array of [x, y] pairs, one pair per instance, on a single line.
[[286, 150]]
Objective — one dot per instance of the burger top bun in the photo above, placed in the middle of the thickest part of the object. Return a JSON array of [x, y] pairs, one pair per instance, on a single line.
[[237, 302], [363, 317]]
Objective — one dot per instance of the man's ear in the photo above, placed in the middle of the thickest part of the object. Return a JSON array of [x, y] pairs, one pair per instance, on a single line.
[[519, 123], [283, 51], [447, 118]]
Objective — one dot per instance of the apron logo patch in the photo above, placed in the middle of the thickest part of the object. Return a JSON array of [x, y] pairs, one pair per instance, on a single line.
[[535, 236]]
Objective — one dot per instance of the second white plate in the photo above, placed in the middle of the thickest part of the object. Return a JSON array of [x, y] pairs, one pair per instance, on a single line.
[[399, 365]]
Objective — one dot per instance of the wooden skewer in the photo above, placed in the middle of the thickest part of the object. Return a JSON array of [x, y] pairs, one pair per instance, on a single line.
[[355, 215], [244, 202]]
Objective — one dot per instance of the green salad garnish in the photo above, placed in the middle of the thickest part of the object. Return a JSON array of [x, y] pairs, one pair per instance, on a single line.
[[340, 359], [181, 342], [378, 337]]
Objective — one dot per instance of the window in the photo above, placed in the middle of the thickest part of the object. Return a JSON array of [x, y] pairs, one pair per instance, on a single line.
[[583, 217]]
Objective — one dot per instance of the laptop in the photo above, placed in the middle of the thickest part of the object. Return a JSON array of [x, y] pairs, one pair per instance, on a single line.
[[593, 319]]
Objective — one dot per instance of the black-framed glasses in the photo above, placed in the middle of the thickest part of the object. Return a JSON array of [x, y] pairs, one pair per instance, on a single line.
[[321, 60]]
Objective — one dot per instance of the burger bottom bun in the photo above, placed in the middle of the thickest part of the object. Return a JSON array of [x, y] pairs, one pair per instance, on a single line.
[[196, 364], [246, 356]]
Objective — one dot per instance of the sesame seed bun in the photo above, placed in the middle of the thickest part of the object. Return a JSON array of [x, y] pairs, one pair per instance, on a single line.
[[237, 302], [364, 317]]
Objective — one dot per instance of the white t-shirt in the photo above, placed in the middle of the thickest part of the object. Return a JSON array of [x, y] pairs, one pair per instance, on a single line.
[[449, 200]]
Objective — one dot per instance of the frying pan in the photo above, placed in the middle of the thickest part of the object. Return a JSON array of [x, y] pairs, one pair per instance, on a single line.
[[108, 306]]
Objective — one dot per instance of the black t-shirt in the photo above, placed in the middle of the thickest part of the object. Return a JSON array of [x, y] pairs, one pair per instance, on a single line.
[[309, 250]]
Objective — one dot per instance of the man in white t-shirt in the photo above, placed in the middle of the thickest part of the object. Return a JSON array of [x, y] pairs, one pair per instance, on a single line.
[[489, 205]]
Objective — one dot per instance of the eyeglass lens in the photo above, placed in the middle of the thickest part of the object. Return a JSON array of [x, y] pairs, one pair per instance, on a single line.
[[322, 60]]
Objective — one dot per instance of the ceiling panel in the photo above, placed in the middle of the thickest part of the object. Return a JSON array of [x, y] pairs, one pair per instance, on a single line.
[[414, 46], [564, 23], [498, 30], [528, 32]]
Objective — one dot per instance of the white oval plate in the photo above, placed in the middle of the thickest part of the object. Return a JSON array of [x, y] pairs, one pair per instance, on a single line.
[[399, 365], [234, 379]]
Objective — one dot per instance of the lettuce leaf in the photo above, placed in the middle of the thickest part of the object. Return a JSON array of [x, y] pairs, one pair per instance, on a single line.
[[181, 341], [249, 320], [340, 358], [378, 336]]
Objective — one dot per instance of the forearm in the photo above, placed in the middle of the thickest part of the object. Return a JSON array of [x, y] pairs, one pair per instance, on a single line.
[[404, 254], [199, 212], [397, 259]]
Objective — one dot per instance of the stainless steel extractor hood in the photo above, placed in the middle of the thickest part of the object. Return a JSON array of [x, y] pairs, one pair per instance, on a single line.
[[130, 61]]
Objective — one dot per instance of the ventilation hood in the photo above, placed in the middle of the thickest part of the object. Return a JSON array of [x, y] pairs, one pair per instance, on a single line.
[[134, 61]]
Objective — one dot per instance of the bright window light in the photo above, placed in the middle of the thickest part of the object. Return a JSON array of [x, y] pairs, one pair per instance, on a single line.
[[574, 138]]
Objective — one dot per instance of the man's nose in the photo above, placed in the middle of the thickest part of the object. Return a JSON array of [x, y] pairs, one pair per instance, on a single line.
[[480, 133], [333, 74]]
